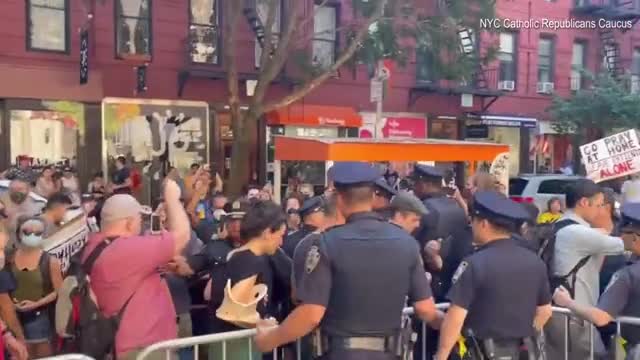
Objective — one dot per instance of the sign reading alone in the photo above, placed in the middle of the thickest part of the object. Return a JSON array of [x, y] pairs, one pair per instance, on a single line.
[[68, 240], [612, 157]]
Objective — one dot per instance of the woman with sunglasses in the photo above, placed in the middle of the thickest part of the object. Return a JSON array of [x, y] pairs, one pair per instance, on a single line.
[[38, 276]]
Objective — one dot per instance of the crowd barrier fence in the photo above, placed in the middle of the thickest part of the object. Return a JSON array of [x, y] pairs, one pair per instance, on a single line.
[[69, 357], [171, 346]]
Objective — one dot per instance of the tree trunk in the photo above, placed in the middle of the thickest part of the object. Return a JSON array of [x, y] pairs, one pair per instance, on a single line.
[[240, 153]]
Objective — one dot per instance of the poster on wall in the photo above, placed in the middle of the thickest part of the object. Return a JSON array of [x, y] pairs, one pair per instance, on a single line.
[[612, 157], [154, 135], [393, 126]]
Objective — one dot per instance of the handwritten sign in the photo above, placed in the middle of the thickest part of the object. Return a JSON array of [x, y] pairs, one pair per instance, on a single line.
[[500, 170], [612, 157], [68, 241]]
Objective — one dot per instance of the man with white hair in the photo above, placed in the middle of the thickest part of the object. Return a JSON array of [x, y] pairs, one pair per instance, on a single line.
[[125, 276]]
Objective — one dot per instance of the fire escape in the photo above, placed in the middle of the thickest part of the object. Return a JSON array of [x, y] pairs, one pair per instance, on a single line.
[[609, 10], [476, 84]]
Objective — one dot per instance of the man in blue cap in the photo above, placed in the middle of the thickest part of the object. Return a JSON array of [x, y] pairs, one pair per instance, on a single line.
[[383, 193], [356, 280], [489, 303], [621, 297], [312, 216]]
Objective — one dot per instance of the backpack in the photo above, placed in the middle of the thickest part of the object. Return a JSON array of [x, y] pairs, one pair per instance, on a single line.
[[547, 235], [136, 179], [91, 333]]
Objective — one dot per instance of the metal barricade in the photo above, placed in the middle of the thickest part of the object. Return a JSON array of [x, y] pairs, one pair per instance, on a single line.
[[170, 346], [69, 357]]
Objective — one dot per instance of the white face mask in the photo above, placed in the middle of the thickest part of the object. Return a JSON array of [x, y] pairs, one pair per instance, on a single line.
[[32, 240]]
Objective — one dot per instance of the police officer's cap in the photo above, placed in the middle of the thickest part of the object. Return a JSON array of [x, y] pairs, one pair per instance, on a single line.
[[311, 206], [383, 186], [351, 173], [492, 204], [631, 214], [405, 201], [427, 172]]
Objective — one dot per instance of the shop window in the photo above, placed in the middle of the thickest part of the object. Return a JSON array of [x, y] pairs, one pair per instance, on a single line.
[[635, 72], [48, 27], [546, 60], [443, 129], [133, 28], [204, 31], [508, 57], [324, 35], [262, 8], [47, 136]]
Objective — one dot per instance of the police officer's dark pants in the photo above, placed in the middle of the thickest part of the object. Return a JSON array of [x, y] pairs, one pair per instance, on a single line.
[[579, 342], [358, 355]]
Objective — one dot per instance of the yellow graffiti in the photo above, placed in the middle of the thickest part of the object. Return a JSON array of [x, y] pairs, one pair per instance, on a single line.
[[117, 114]]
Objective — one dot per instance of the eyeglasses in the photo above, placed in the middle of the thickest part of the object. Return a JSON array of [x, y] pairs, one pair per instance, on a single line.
[[28, 232]]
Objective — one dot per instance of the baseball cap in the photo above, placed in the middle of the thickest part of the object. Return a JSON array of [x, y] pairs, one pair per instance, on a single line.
[[122, 206], [405, 201], [238, 209]]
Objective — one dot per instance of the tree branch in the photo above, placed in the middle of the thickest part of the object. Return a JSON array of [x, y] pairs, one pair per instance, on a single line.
[[268, 31], [276, 62], [233, 9], [344, 57]]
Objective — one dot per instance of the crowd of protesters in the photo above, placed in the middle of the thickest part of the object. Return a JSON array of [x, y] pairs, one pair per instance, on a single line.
[[212, 252]]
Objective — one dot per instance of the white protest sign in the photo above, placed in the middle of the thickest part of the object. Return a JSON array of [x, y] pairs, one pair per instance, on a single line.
[[500, 170], [68, 240], [612, 157]]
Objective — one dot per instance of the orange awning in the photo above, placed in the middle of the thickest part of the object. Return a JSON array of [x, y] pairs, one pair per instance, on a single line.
[[315, 115], [355, 149]]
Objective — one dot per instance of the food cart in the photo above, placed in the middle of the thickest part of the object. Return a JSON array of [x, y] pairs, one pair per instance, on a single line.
[[328, 150]]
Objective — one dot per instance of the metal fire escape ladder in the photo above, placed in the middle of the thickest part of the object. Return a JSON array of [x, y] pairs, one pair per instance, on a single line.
[[611, 52]]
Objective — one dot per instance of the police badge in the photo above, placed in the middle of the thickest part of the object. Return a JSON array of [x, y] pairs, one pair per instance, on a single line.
[[459, 271], [313, 258]]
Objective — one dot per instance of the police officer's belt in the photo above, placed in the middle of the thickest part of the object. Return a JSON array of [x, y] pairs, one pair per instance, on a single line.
[[381, 344]]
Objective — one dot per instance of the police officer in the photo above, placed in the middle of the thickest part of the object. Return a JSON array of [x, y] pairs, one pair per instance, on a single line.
[[500, 290], [446, 221], [356, 280], [383, 193], [622, 295], [312, 215]]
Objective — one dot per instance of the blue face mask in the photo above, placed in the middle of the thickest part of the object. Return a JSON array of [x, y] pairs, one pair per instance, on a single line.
[[32, 240]]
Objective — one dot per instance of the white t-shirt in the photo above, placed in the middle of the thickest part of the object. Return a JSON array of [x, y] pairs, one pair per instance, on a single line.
[[631, 191]]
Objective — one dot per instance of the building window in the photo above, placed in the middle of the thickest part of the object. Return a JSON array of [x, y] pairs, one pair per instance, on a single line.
[[262, 8], [324, 35], [578, 65], [48, 25], [635, 71], [507, 56], [545, 60], [133, 28], [204, 31], [425, 64]]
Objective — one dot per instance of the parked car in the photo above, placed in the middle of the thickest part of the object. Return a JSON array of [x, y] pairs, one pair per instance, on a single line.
[[539, 189]]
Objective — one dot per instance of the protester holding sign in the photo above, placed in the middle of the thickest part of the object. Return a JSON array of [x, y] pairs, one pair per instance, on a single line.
[[612, 157]]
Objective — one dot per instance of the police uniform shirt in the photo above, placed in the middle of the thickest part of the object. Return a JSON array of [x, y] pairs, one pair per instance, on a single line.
[[622, 298], [300, 256], [362, 273], [291, 241]]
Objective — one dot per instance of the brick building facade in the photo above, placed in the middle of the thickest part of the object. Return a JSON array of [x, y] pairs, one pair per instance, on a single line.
[[178, 44]]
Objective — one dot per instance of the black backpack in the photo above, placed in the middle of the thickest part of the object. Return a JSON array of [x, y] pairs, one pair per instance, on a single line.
[[93, 333], [547, 234]]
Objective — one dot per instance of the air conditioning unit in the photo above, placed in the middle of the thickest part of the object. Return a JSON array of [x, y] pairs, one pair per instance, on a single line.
[[544, 88], [575, 84], [507, 85]]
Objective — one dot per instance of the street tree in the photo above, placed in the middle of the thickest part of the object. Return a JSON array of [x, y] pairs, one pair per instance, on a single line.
[[378, 29]]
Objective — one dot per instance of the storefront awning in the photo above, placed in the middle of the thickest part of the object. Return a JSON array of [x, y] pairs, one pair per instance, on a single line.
[[354, 149], [505, 120], [315, 115]]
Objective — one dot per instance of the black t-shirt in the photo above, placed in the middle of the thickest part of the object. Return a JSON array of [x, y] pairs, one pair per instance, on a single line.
[[119, 177], [241, 266]]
